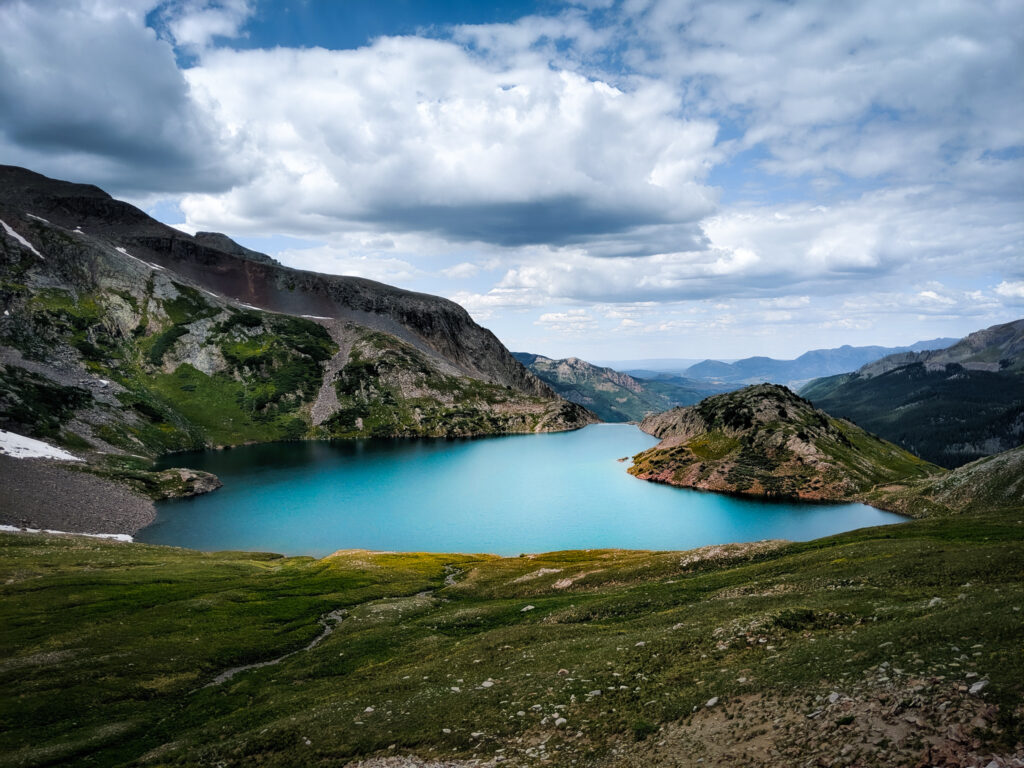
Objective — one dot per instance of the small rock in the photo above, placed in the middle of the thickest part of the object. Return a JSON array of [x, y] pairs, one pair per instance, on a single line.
[[711, 702], [486, 683], [596, 692], [978, 687], [934, 601], [368, 710], [446, 730], [641, 644], [833, 697], [526, 608], [563, 671], [677, 626], [456, 689], [476, 734], [560, 722]]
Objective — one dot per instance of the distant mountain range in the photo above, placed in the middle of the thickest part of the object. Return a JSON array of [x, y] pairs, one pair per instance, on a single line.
[[613, 395], [949, 406], [810, 365]]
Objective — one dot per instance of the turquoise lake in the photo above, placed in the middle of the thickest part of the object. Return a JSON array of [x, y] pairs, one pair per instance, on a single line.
[[504, 495]]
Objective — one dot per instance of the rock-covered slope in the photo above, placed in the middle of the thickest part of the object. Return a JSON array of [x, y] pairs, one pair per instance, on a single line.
[[121, 335], [610, 394], [766, 441], [949, 406]]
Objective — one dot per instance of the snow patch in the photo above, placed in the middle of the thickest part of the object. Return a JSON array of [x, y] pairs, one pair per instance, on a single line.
[[20, 239], [37, 218], [209, 293], [121, 250], [317, 317], [250, 306], [114, 536], [21, 447]]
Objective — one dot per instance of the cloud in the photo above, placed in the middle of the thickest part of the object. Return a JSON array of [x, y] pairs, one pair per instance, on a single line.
[[461, 270], [412, 134], [911, 93], [194, 24], [1011, 289], [88, 92], [573, 321], [881, 240]]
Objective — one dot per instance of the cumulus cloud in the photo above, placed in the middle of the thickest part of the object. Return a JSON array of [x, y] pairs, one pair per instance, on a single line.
[[573, 321], [87, 90], [1011, 289], [461, 270], [413, 134]]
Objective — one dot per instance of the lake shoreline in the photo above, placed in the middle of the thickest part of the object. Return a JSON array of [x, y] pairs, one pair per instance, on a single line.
[[561, 491]]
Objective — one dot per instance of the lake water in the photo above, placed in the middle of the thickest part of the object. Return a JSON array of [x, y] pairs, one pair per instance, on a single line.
[[505, 495]]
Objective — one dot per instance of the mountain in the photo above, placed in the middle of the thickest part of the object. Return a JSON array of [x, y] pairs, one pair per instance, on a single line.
[[949, 406], [610, 394], [766, 441], [121, 335], [810, 365]]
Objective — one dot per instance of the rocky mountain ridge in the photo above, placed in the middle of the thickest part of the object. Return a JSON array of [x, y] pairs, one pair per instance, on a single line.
[[122, 335], [998, 348]]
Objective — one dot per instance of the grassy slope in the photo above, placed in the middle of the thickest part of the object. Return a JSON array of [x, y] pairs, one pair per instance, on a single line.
[[106, 647], [943, 416]]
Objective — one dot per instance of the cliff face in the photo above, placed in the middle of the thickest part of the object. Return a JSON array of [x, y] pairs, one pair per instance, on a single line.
[[765, 441], [121, 334]]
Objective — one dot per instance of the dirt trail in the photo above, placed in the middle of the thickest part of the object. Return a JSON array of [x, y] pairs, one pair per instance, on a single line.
[[330, 622]]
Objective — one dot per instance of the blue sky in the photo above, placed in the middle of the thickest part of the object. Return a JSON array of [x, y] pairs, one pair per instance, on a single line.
[[609, 179]]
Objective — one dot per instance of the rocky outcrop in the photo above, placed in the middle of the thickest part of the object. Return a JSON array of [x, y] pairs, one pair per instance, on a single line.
[[766, 441], [179, 483]]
